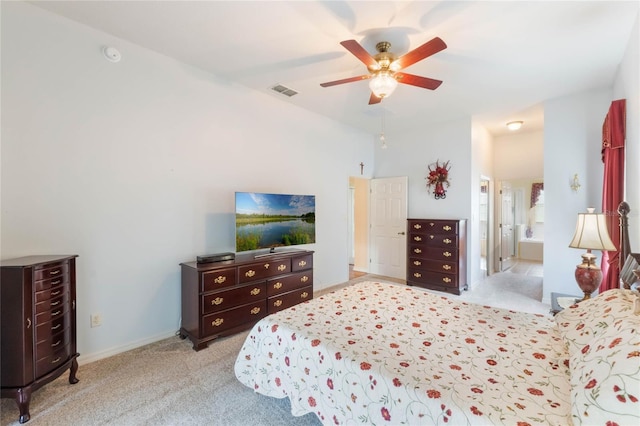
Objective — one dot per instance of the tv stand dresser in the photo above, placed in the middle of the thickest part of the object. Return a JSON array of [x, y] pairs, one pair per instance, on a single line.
[[224, 298]]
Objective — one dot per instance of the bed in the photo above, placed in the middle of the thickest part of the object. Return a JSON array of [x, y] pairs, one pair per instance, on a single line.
[[384, 353]]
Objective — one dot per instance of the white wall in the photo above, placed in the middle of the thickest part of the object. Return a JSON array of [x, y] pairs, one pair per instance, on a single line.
[[410, 153], [627, 86], [519, 155], [134, 165], [572, 141]]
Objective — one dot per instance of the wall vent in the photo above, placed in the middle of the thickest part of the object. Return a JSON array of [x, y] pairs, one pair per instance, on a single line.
[[284, 90]]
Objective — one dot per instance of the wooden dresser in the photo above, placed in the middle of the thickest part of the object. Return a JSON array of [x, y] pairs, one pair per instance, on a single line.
[[437, 254], [223, 298], [38, 321]]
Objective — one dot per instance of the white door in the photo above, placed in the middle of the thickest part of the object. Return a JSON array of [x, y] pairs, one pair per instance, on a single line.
[[388, 210], [507, 237]]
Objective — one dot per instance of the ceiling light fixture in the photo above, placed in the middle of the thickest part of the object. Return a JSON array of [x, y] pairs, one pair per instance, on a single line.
[[383, 84], [514, 125]]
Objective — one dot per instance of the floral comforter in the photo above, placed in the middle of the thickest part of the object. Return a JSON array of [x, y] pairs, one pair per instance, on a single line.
[[383, 353]]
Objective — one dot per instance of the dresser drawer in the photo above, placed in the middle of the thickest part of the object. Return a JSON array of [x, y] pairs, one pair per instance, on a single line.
[[52, 303], [434, 240], [289, 283], [51, 282], [52, 314], [52, 360], [52, 292], [222, 300], [302, 263], [286, 300], [434, 265], [220, 321], [434, 253], [52, 270], [430, 277], [259, 271], [47, 329], [434, 226], [54, 342], [218, 279]]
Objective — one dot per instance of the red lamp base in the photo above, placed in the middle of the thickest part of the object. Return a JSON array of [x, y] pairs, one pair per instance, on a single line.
[[588, 275]]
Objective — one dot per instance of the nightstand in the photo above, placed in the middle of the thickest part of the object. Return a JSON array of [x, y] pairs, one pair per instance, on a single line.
[[555, 306]]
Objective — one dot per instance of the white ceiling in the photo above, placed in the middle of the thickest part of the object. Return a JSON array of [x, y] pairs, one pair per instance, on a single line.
[[503, 58]]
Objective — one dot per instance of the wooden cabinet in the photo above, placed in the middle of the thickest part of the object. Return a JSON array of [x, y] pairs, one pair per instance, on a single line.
[[38, 321], [223, 298], [437, 254]]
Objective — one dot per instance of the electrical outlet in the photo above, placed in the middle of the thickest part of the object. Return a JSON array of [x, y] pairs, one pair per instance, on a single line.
[[96, 320]]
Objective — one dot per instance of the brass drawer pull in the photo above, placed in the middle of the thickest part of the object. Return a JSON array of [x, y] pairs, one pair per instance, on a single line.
[[277, 303], [446, 279], [417, 226], [56, 360], [304, 295], [255, 310], [417, 274], [417, 250], [54, 272], [417, 262], [56, 282], [217, 322], [220, 279], [446, 254], [304, 278], [282, 268], [56, 303], [431, 224], [251, 272], [55, 293], [55, 327], [217, 301], [266, 266], [417, 238], [277, 285], [446, 228], [446, 241], [446, 267], [302, 263], [56, 343], [58, 312], [255, 291]]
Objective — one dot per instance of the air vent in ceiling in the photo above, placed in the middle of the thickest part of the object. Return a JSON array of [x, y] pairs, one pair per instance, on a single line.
[[284, 90]]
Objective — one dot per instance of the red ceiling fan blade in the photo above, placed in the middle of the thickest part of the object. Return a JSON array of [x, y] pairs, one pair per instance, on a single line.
[[345, 80], [419, 53], [416, 80], [373, 99], [359, 52]]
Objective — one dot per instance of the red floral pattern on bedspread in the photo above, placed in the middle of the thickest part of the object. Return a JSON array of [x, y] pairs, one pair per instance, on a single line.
[[383, 353]]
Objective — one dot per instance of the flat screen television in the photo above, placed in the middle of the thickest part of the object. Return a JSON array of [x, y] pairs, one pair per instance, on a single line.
[[274, 220]]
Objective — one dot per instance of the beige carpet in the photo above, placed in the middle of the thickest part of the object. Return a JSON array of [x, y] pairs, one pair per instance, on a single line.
[[168, 383]]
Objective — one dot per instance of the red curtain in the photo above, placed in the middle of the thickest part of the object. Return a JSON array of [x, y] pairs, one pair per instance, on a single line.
[[613, 133]]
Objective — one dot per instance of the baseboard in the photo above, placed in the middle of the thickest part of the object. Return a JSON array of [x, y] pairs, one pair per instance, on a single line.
[[96, 356]]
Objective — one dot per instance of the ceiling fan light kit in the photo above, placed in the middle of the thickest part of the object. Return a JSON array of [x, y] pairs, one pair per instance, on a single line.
[[384, 68]]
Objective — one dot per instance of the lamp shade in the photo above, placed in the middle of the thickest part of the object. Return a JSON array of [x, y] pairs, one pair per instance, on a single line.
[[591, 233], [383, 84]]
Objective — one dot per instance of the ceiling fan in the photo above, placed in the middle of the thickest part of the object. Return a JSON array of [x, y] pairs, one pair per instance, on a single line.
[[384, 68]]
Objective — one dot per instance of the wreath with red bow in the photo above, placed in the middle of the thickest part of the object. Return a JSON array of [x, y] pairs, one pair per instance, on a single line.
[[437, 179]]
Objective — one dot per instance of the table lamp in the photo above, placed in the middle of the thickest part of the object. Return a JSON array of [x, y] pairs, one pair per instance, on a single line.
[[591, 234]]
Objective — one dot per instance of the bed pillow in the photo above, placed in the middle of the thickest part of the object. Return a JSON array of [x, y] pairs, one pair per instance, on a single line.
[[605, 377], [578, 324]]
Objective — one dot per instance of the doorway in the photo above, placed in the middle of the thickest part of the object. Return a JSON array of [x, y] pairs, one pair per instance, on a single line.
[[358, 226]]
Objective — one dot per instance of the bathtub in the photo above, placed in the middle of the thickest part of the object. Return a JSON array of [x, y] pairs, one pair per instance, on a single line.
[[530, 249]]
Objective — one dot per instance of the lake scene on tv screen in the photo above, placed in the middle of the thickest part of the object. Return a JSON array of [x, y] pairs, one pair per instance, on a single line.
[[274, 220]]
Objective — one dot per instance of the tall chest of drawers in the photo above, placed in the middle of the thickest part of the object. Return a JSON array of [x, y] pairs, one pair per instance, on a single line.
[[223, 298], [38, 325], [437, 254]]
